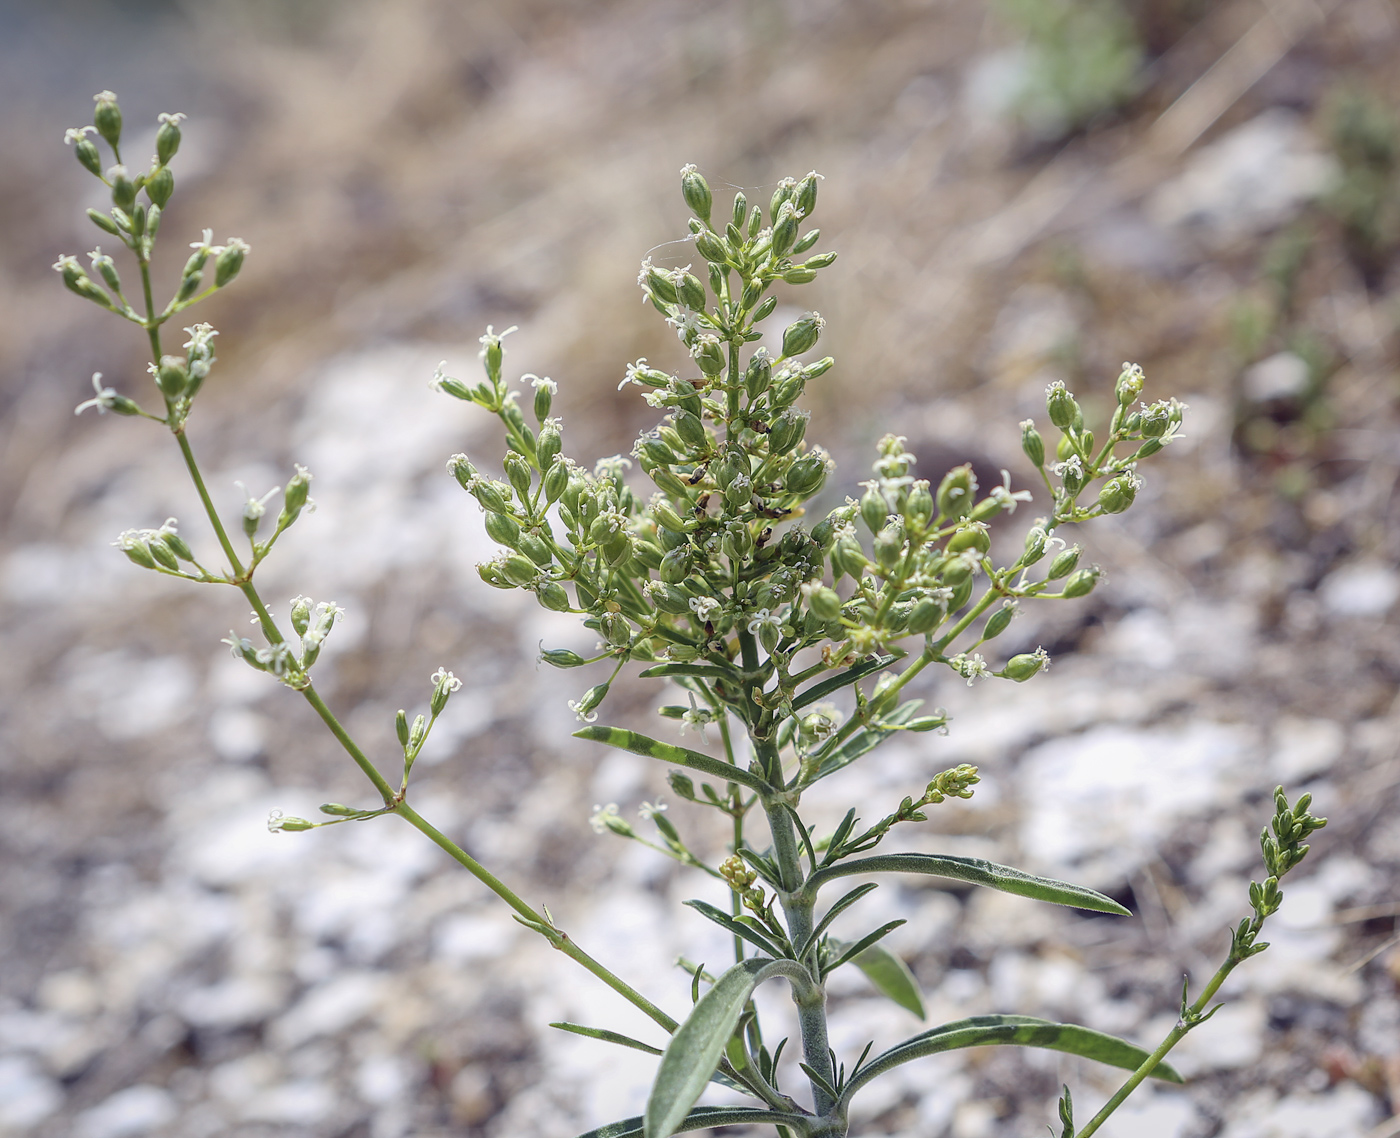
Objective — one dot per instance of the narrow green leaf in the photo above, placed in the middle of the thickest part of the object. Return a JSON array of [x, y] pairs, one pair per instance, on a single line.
[[863, 741], [696, 1047], [738, 928], [1022, 1031], [820, 1080], [804, 834], [978, 872], [891, 977], [835, 911], [640, 744], [840, 680], [698, 671], [608, 1037], [703, 1118], [849, 952]]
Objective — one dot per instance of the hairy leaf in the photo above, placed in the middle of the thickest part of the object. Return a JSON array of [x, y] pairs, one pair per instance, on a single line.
[[738, 928], [891, 977], [978, 872], [1022, 1031], [843, 679], [640, 744], [703, 1118]]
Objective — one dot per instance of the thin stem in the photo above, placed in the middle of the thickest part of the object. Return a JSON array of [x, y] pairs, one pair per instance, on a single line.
[[1175, 1036], [342, 736], [541, 923]]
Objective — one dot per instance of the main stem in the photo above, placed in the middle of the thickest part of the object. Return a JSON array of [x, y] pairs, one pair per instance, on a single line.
[[797, 911]]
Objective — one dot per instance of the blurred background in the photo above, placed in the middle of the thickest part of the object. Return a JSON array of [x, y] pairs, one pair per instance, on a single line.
[[1019, 191]]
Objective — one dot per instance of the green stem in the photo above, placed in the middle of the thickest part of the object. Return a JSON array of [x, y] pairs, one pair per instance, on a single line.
[[538, 921], [1175, 1036], [342, 736], [797, 910]]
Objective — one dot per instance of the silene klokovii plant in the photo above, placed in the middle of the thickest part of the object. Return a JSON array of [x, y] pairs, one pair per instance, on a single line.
[[700, 566]]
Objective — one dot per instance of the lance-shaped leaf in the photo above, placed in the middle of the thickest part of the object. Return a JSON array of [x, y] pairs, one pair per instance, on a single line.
[[835, 911], [636, 1045], [890, 976], [1022, 1031], [640, 744], [863, 741], [840, 680], [696, 1046], [697, 671], [738, 928], [978, 872], [703, 1118]]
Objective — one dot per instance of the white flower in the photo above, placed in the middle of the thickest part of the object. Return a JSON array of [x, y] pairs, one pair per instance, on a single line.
[[76, 134], [438, 376], [643, 273], [970, 667], [686, 323], [239, 646], [67, 263], [1070, 464], [576, 706], [444, 679], [696, 718], [104, 400], [207, 244], [655, 399], [763, 618], [611, 467], [649, 810], [173, 119], [104, 97], [704, 607], [274, 821], [254, 508], [275, 659], [545, 382], [490, 338], [599, 819], [237, 244], [688, 168], [1004, 495]]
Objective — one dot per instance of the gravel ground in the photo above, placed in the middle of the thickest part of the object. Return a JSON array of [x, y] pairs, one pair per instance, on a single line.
[[409, 172]]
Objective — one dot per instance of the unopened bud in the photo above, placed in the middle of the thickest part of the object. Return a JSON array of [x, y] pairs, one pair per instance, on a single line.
[[955, 492], [1032, 443], [1118, 493], [708, 354], [1064, 563], [681, 785], [696, 192], [1129, 385], [801, 335], [160, 184], [806, 476], [107, 117], [1081, 583], [1023, 667], [401, 727], [168, 137], [228, 263], [172, 377], [301, 615], [1061, 406], [998, 621]]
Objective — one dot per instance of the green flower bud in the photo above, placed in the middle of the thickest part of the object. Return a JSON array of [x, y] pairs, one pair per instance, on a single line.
[[228, 263], [336, 810], [800, 275], [178, 545], [825, 602], [1129, 385], [591, 699], [301, 615], [959, 570], [616, 631], [618, 549], [784, 229], [103, 222], [889, 547], [1149, 448], [955, 492], [536, 548], [87, 154], [1082, 582], [690, 292], [556, 478], [1071, 473], [417, 733], [926, 615], [681, 785], [659, 284], [107, 117], [136, 550], [711, 247], [162, 552], [668, 598], [123, 188], [491, 494], [666, 516], [1027, 664], [189, 285], [918, 507], [691, 430], [805, 242], [806, 196], [562, 658], [1155, 420], [787, 431], [765, 310], [970, 536], [696, 192], [160, 184], [490, 572], [782, 193], [801, 335], [1036, 538], [168, 137], [850, 557], [998, 621], [737, 543], [708, 354], [172, 376], [1117, 494], [519, 570], [1064, 563], [873, 509], [1032, 443], [1060, 404], [553, 596], [289, 823], [805, 476], [821, 260], [401, 727], [502, 529], [138, 220], [675, 566], [788, 388]]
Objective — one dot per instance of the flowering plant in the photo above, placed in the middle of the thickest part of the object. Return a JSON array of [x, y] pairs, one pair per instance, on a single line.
[[715, 583]]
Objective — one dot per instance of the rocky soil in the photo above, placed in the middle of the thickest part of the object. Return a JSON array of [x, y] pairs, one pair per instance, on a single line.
[[410, 171]]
